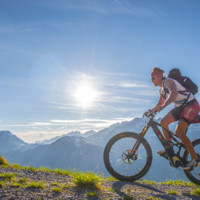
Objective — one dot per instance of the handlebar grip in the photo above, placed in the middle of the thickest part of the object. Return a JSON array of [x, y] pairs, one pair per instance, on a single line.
[[149, 114]]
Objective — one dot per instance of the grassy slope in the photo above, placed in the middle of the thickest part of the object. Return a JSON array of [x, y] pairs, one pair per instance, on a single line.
[[89, 180]]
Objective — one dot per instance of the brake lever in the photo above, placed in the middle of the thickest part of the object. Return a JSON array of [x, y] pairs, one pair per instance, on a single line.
[[149, 114], [146, 114]]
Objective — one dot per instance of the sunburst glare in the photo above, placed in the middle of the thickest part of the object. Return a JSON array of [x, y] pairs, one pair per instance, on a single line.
[[85, 95]]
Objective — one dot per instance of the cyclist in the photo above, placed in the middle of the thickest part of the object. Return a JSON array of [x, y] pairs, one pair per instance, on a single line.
[[184, 112]]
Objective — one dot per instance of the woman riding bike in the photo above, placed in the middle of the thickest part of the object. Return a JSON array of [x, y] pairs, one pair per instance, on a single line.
[[184, 112]]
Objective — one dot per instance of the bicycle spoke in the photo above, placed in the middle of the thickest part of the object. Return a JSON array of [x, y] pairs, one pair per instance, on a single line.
[[119, 160], [123, 166], [194, 175]]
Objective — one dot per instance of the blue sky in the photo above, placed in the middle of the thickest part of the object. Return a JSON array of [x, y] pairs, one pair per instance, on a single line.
[[50, 50]]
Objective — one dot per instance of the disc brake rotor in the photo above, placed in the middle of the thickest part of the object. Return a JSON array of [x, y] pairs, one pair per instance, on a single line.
[[127, 157]]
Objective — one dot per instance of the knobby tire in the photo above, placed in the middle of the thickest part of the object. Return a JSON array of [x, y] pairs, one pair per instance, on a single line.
[[193, 175]]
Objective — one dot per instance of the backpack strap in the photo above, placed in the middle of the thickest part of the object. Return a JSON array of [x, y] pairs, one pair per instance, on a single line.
[[185, 102], [180, 92], [165, 89]]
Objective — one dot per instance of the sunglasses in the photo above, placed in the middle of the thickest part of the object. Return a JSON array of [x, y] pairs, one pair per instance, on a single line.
[[153, 78]]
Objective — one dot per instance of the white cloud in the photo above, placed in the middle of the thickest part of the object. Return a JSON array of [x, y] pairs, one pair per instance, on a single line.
[[128, 84], [66, 123], [150, 93], [115, 120], [40, 124], [32, 136], [112, 89], [132, 85], [64, 127], [124, 99]]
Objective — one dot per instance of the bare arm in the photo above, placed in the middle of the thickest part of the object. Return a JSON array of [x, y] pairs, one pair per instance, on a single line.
[[160, 102], [170, 84], [171, 97]]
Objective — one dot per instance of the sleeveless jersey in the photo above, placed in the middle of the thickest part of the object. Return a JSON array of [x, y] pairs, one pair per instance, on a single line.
[[180, 99]]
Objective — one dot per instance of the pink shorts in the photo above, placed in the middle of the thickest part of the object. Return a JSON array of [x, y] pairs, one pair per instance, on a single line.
[[186, 113]]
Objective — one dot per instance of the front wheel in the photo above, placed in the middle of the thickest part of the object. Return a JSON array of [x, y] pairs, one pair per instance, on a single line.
[[194, 175], [119, 160]]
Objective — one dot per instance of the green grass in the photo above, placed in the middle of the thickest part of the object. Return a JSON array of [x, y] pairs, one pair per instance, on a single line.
[[196, 192], [57, 189], [7, 176], [18, 183], [177, 182], [62, 172], [15, 184], [65, 186], [153, 198], [2, 184], [150, 182], [89, 180], [31, 168], [45, 169], [110, 178], [55, 183], [23, 180], [92, 194], [58, 171], [16, 166], [37, 185], [127, 197], [173, 192], [3, 161]]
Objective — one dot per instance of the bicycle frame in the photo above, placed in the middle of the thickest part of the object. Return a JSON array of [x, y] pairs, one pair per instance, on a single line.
[[175, 159]]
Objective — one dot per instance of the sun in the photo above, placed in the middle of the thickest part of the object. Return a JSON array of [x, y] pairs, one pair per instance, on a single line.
[[85, 95]]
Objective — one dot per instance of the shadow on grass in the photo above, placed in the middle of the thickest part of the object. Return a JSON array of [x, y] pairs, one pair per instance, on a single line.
[[118, 185]]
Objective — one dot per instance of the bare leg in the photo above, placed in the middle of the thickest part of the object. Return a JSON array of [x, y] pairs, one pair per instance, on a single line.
[[167, 119], [180, 132]]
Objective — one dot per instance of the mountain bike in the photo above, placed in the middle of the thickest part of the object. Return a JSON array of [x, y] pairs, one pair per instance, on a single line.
[[128, 155]]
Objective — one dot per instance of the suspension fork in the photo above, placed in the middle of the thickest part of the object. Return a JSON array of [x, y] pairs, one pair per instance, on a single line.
[[137, 144]]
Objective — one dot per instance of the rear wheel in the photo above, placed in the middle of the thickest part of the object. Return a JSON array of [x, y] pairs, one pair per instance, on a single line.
[[121, 163], [194, 175]]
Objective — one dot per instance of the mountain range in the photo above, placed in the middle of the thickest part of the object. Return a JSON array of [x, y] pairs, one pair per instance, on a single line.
[[66, 152], [73, 133], [86, 153]]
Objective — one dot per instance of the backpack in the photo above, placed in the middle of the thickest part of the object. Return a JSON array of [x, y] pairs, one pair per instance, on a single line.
[[183, 80], [186, 82]]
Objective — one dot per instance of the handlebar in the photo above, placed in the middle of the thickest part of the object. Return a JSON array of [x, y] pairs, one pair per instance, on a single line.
[[149, 114]]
